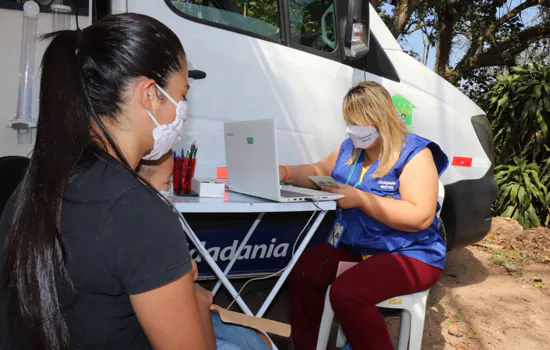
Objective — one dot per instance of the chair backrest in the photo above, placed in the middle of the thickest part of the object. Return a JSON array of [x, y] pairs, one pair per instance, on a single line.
[[440, 197], [12, 170]]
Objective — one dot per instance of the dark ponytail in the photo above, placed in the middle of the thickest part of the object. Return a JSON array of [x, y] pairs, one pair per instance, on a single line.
[[84, 80]]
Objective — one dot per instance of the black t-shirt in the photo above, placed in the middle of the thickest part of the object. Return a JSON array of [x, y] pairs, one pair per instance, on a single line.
[[120, 239]]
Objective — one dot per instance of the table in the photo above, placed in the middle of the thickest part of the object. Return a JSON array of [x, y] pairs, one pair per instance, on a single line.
[[240, 203]]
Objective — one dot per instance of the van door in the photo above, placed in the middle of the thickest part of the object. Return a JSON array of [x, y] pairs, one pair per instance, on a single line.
[[263, 59]]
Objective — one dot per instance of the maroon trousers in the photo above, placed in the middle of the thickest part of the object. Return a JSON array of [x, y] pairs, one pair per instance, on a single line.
[[353, 294]]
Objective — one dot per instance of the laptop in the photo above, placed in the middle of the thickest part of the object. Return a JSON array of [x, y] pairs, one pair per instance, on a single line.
[[252, 167]]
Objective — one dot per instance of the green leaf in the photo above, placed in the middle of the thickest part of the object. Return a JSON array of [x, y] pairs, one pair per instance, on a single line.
[[502, 182], [502, 196], [523, 167], [535, 177], [521, 196], [541, 121], [527, 180], [512, 168], [528, 109], [537, 194], [517, 69], [503, 100], [533, 216], [514, 193], [518, 217], [538, 91], [509, 211]]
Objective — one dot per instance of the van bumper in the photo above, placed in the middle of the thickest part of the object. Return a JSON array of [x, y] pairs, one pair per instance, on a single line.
[[466, 210]]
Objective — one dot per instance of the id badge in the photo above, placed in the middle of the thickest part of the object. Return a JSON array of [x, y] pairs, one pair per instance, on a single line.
[[336, 233]]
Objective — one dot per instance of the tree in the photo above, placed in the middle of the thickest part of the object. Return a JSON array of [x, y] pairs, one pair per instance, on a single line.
[[493, 30]]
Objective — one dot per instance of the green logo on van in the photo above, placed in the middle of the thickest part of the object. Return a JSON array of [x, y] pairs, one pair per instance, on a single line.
[[250, 140], [404, 109]]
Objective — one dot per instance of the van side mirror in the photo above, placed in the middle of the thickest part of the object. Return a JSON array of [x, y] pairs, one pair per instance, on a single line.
[[357, 30]]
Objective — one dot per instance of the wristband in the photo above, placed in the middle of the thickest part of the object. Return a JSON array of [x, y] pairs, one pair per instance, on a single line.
[[287, 174]]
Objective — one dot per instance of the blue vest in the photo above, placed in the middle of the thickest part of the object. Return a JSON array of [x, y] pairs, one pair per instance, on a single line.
[[369, 236]]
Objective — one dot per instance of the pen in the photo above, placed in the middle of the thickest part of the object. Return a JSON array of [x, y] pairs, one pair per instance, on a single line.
[[175, 154], [194, 158]]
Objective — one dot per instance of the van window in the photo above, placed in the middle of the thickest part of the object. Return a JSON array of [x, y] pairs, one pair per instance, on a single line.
[[313, 24], [260, 18]]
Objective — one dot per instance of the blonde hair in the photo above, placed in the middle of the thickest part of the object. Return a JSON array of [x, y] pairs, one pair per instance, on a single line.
[[369, 103]]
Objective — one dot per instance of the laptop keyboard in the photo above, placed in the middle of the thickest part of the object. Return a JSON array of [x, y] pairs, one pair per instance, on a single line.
[[290, 194]]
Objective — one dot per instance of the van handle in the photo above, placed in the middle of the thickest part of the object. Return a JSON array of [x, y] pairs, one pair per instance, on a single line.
[[326, 40]]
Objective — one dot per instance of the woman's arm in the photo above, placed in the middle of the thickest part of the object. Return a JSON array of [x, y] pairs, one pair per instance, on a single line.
[[204, 300], [299, 174], [171, 317], [418, 188]]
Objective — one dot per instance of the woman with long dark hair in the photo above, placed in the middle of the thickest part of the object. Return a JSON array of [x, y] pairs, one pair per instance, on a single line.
[[92, 256]]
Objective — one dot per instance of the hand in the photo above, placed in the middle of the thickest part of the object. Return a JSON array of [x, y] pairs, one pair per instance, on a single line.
[[204, 297], [283, 172], [353, 197]]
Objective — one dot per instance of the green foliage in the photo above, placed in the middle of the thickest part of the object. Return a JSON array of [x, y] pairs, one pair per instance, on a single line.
[[265, 10], [305, 19], [518, 106], [523, 193]]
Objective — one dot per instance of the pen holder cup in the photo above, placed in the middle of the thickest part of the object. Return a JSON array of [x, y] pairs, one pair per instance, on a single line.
[[183, 173]]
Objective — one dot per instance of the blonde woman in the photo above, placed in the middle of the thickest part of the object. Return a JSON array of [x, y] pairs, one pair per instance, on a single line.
[[387, 222]]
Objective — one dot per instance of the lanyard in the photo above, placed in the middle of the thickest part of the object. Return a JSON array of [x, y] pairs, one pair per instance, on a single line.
[[353, 170], [350, 176]]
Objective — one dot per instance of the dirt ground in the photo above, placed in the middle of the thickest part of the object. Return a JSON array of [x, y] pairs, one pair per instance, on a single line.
[[490, 296], [493, 295], [480, 305]]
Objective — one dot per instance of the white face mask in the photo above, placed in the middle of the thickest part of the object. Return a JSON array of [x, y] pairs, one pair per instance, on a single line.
[[362, 136], [167, 135]]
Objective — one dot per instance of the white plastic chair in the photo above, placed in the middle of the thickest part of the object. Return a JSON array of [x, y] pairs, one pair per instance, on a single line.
[[413, 308], [413, 312]]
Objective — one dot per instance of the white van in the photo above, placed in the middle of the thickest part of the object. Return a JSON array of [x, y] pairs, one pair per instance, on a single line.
[[280, 67], [294, 60]]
